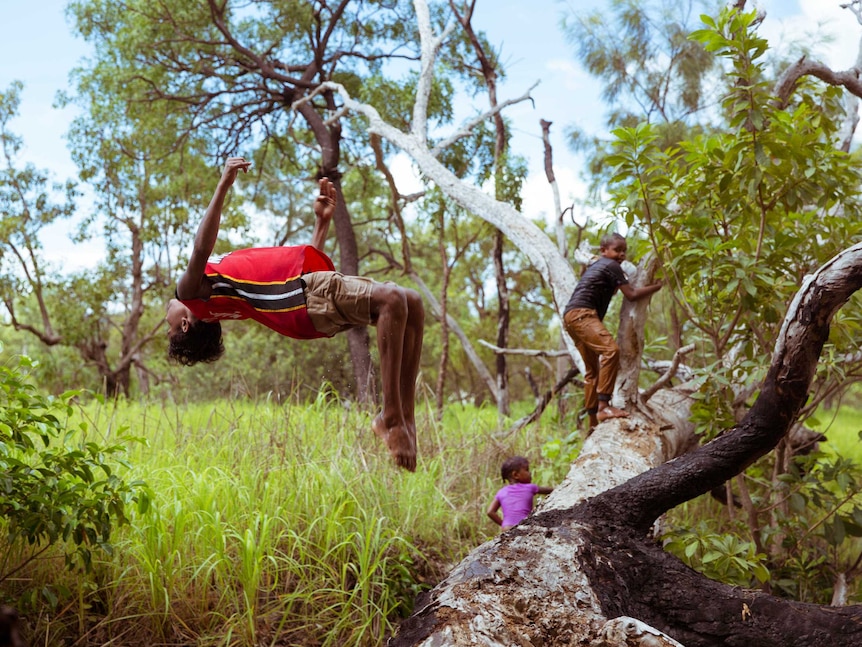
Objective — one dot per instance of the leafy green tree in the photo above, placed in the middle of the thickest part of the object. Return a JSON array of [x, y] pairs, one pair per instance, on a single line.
[[145, 195], [28, 204], [142, 196], [649, 68], [239, 75], [738, 217]]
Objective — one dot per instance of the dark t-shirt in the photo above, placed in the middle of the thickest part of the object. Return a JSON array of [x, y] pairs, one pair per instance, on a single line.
[[597, 286]]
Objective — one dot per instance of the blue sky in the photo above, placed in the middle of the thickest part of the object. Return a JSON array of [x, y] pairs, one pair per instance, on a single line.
[[37, 48]]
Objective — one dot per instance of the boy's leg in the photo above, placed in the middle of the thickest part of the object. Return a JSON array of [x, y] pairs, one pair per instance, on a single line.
[[594, 341], [389, 308], [337, 302], [591, 368], [411, 354], [609, 366], [576, 325]]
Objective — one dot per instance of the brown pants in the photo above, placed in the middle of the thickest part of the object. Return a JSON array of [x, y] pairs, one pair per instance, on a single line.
[[600, 352], [337, 301]]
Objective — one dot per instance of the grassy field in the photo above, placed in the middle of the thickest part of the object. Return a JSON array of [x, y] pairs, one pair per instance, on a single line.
[[285, 524], [274, 524]]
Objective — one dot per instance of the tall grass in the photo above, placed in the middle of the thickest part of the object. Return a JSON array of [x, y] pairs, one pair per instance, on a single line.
[[274, 524]]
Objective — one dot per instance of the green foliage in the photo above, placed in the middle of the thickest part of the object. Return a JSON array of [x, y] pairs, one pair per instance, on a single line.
[[29, 202], [737, 217], [818, 525], [725, 558], [738, 214], [656, 36], [649, 70], [558, 455], [806, 535], [57, 484]]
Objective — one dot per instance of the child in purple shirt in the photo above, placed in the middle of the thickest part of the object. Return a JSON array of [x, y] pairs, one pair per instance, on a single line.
[[515, 499]]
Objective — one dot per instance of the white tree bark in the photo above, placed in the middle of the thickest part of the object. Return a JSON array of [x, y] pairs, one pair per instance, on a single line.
[[628, 632]]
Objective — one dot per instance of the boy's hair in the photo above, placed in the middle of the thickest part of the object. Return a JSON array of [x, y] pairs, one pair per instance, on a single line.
[[200, 343], [512, 465], [608, 240]]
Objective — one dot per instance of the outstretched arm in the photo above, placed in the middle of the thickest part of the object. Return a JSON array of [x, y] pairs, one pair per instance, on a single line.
[[636, 294], [324, 209], [190, 285], [493, 513]]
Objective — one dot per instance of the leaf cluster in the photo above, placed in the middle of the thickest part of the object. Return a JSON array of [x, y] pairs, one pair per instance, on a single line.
[[739, 217], [57, 485]]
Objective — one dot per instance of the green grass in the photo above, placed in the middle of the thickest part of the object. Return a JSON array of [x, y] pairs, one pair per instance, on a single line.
[[273, 525], [842, 427], [287, 524]]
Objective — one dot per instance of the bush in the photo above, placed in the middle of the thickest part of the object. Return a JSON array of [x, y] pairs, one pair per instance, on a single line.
[[56, 484]]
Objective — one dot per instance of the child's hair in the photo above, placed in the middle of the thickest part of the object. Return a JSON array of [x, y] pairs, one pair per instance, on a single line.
[[200, 343], [608, 240], [512, 465]]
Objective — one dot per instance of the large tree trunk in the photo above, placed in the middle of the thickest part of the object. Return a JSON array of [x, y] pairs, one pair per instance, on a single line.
[[588, 556], [328, 137]]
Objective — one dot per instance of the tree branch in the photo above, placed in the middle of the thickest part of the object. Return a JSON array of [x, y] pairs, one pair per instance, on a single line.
[[668, 374], [849, 79]]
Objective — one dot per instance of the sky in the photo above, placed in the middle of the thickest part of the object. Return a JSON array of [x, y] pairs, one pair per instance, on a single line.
[[39, 49]]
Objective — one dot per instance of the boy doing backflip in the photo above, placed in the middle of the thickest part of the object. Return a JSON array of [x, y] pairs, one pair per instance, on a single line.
[[583, 318], [296, 292]]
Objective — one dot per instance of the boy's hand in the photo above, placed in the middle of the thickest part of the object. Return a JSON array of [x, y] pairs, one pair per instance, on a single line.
[[232, 167], [324, 205]]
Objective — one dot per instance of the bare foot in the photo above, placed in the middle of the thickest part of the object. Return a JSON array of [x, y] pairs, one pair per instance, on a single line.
[[611, 412], [400, 442]]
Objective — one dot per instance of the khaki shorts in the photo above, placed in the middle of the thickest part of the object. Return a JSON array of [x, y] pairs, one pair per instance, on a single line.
[[337, 301]]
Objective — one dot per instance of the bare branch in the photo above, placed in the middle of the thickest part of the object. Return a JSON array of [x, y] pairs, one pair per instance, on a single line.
[[849, 79], [528, 352], [543, 403], [430, 46], [467, 128], [669, 374]]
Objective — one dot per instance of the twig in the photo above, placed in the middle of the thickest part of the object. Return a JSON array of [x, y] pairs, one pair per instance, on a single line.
[[668, 375], [529, 352]]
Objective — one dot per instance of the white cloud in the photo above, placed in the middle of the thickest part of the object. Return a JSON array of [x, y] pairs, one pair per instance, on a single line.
[[831, 32], [567, 73], [538, 198], [66, 255]]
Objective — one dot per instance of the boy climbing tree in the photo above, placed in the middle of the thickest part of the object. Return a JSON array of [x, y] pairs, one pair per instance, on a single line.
[[583, 317]]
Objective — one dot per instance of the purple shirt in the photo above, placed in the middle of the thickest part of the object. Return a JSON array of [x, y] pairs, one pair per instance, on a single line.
[[516, 501]]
